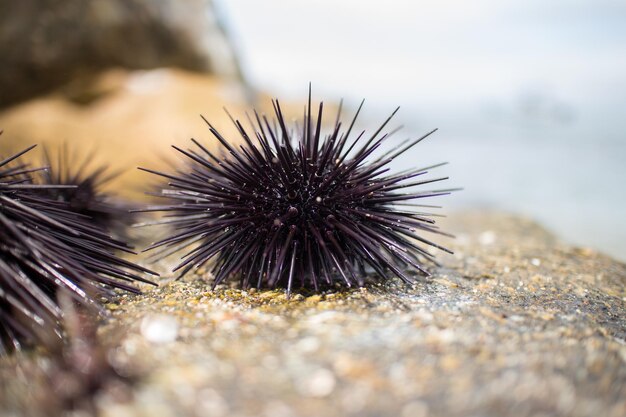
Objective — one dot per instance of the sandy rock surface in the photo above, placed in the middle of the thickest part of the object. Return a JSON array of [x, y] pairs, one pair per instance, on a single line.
[[514, 324]]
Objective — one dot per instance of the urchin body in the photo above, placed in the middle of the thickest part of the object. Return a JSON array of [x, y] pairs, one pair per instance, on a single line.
[[290, 207]]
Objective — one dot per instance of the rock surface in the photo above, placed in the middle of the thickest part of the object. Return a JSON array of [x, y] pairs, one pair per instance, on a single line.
[[514, 324], [46, 43]]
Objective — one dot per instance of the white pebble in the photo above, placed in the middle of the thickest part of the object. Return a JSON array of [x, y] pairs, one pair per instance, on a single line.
[[320, 384], [487, 238], [308, 345], [159, 328]]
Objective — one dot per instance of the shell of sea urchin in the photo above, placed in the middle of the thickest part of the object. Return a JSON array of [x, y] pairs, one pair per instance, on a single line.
[[291, 208], [47, 250]]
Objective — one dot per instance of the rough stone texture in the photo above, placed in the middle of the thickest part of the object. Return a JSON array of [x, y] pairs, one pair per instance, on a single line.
[[515, 324], [47, 43]]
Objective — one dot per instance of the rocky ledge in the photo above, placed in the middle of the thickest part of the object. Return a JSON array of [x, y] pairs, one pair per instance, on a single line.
[[514, 324]]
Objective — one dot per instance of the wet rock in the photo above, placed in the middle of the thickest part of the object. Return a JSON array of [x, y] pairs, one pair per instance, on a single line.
[[522, 326]]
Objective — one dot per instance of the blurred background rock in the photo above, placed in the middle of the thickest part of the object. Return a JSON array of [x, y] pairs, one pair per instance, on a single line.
[[47, 43], [127, 78]]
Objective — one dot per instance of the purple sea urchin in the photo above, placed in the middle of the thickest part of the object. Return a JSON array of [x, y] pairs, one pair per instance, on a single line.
[[47, 249], [289, 207], [85, 197]]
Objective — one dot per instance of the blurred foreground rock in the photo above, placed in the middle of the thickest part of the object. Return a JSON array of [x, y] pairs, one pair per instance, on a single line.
[[515, 324], [46, 44]]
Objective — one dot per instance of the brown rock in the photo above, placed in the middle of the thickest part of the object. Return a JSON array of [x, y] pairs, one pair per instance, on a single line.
[[131, 120], [48, 43]]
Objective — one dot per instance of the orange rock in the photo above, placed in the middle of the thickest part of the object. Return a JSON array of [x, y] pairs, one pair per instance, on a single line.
[[130, 118]]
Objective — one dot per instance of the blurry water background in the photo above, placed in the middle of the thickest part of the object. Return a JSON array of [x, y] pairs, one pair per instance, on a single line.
[[529, 96]]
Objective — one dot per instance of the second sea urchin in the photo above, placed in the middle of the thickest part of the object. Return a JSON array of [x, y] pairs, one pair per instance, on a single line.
[[290, 207], [85, 196], [48, 251]]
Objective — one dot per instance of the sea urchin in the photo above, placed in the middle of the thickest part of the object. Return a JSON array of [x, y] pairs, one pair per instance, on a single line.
[[289, 207], [85, 197], [47, 250]]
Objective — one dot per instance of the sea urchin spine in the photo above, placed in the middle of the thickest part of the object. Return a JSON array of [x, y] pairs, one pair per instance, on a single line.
[[288, 207]]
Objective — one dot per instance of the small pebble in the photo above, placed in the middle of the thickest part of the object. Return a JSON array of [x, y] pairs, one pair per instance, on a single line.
[[159, 328], [487, 238], [320, 384]]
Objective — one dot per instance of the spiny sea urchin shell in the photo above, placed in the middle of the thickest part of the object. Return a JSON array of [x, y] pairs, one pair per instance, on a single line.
[[289, 207], [47, 249]]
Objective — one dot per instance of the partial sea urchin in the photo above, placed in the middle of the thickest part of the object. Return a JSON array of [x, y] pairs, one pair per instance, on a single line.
[[86, 196], [47, 249], [288, 205]]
